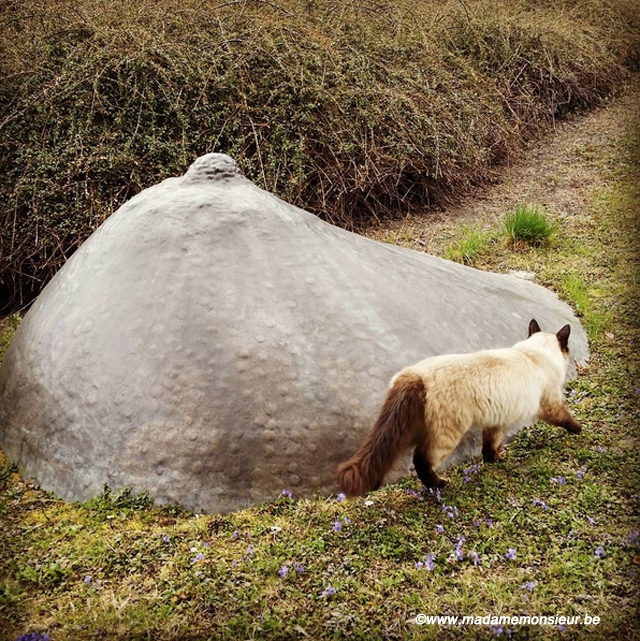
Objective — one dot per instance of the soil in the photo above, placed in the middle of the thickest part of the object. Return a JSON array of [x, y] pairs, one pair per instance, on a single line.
[[560, 171]]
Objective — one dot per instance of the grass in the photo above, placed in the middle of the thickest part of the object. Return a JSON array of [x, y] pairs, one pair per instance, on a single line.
[[119, 568], [353, 110], [528, 225], [468, 248]]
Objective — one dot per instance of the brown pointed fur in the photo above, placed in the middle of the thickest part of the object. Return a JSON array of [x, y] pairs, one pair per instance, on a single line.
[[432, 404], [395, 430]]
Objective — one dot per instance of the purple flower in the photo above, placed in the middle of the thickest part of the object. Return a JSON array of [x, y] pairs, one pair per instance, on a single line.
[[600, 552], [198, 557], [440, 529], [496, 630], [511, 554], [328, 591], [87, 579], [250, 550], [529, 585], [341, 497], [235, 535], [285, 494], [418, 565], [633, 537], [489, 522], [337, 526], [638, 391], [561, 628], [601, 449], [572, 393], [467, 479], [581, 472], [541, 503], [458, 550], [282, 572], [450, 510], [632, 573], [474, 557], [591, 520], [619, 415], [560, 480], [346, 520], [298, 567], [428, 561], [33, 636]]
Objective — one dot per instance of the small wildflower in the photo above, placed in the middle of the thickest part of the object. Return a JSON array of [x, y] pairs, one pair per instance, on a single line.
[[529, 585], [633, 537], [476, 523], [250, 550], [581, 472], [206, 544], [511, 554], [488, 522], [286, 494], [34, 636], [562, 628], [591, 520], [87, 579], [282, 572], [638, 391], [428, 561], [298, 567], [572, 393], [601, 449], [328, 591], [474, 557], [341, 497], [419, 565], [496, 630], [619, 415], [198, 557], [337, 526], [600, 552], [275, 529], [467, 479], [368, 503], [541, 503], [559, 480], [166, 539], [440, 529], [235, 535], [632, 573]]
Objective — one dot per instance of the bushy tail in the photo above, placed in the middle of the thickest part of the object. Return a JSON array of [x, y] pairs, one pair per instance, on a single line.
[[396, 428]]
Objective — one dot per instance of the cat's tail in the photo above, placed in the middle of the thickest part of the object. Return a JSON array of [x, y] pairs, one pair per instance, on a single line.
[[397, 427]]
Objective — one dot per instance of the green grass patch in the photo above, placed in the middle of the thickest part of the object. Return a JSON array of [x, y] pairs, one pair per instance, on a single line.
[[528, 225], [467, 249]]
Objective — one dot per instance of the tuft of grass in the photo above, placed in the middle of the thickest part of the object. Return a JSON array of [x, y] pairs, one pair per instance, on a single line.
[[595, 317], [468, 248], [528, 225]]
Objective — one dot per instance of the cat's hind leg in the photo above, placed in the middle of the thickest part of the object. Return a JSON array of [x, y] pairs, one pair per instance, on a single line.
[[425, 470], [492, 451]]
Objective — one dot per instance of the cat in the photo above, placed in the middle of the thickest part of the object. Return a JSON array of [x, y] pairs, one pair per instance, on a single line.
[[431, 406]]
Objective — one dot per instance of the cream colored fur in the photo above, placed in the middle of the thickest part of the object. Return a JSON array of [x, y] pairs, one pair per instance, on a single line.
[[431, 405]]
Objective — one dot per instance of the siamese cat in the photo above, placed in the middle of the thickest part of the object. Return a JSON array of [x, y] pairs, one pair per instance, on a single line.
[[432, 405]]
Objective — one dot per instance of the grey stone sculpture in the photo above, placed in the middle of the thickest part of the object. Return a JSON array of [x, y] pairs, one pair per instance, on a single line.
[[213, 345]]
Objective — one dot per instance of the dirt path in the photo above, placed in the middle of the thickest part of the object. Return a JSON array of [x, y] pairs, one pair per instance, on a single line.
[[561, 172]]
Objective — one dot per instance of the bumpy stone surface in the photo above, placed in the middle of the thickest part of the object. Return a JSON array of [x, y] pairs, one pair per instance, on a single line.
[[214, 345]]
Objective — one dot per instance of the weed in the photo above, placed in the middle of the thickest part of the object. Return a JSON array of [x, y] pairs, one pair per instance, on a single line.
[[468, 247], [528, 225]]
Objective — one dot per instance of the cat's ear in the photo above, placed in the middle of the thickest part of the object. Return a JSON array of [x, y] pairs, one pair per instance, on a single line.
[[563, 338], [534, 328]]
